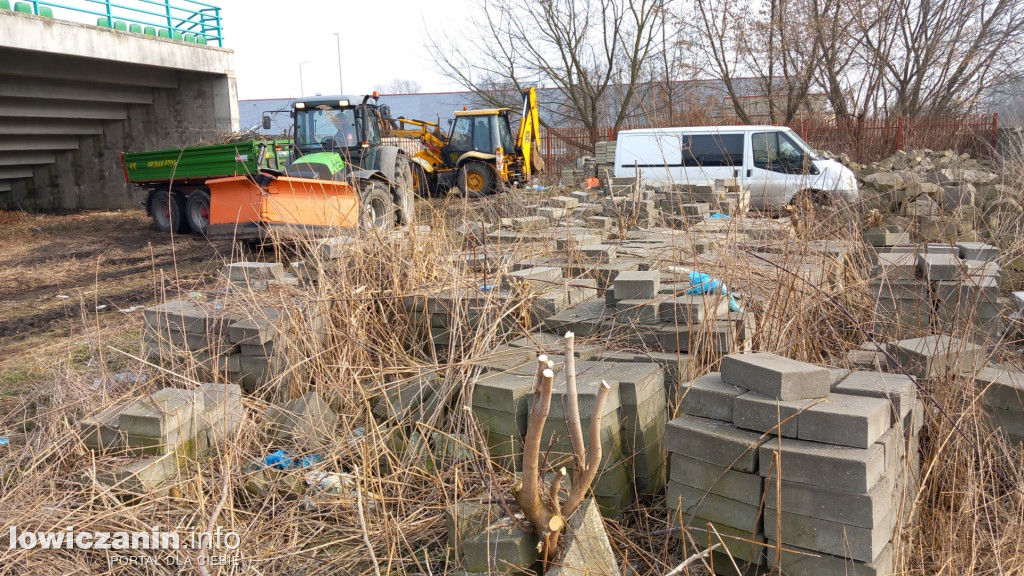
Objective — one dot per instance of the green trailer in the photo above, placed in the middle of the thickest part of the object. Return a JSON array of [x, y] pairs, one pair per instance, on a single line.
[[178, 198]]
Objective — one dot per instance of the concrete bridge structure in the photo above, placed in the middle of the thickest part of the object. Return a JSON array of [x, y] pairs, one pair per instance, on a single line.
[[74, 96]]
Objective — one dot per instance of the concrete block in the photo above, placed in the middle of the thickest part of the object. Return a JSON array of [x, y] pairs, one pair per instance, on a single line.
[[935, 267], [694, 308], [254, 331], [715, 442], [611, 507], [709, 397], [403, 398], [600, 253], [938, 355], [538, 278], [866, 510], [835, 467], [585, 549], [978, 251], [741, 545], [753, 411], [552, 345], [302, 419], [529, 223], [142, 477], [796, 561], [897, 389], [898, 266], [637, 285], [1003, 387], [639, 382], [165, 411], [564, 202], [179, 315], [1009, 421], [504, 423], [249, 271], [588, 381], [504, 392], [732, 484], [100, 430], [335, 247], [638, 311], [775, 376], [500, 548], [693, 502], [845, 420], [467, 518], [856, 543], [223, 411]]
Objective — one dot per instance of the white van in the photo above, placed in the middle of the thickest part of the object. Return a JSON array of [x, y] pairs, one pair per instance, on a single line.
[[772, 161]]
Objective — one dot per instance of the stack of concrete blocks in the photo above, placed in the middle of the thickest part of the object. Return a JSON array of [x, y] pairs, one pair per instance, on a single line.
[[844, 447], [938, 288], [604, 158], [451, 318], [307, 423], [630, 204], [251, 348], [258, 276], [159, 431], [631, 424], [1003, 396]]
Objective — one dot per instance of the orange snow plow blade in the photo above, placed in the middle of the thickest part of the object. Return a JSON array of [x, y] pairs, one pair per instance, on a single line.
[[240, 208]]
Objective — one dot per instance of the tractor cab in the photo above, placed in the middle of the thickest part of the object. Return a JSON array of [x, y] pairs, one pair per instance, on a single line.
[[333, 136], [483, 134]]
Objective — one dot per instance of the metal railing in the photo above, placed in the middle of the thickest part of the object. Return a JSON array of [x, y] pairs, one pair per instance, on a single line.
[[181, 16]]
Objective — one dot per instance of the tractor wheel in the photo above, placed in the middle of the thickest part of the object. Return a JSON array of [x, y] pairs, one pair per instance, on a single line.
[[197, 211], [405, 192], [376, 210], [168, 210], [476, 179]]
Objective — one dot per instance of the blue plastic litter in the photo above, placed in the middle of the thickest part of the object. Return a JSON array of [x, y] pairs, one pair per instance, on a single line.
[[486, 287], [718, 216], [4, 441], [282, 460], [705, 284]]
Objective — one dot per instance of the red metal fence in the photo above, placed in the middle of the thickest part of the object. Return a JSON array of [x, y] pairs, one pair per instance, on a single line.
[[863, 140]]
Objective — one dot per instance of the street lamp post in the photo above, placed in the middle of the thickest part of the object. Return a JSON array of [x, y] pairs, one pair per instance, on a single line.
[[302, 87], [341, 85]]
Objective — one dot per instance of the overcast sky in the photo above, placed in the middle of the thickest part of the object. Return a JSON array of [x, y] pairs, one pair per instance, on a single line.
[[380, 40]]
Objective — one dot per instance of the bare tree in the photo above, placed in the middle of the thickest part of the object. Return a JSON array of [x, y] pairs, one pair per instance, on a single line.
[[399, 86], [592, 53]]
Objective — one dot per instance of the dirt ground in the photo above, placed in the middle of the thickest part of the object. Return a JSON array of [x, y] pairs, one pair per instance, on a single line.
[[58, 273]]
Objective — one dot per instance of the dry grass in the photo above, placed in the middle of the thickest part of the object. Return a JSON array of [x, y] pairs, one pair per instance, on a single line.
[[967, 516]]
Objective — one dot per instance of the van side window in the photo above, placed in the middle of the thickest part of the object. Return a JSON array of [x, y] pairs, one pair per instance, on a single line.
[[774, 151], [713, 150]]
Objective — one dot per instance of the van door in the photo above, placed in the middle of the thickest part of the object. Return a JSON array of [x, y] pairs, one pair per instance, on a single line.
[[777, 170], [707, 157]]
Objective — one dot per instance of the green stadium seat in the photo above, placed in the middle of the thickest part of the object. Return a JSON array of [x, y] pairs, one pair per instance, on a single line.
[[46, 12], [149, 31], [23, 7], [190, 38], [163, 33], [119, 25], [178, 36], [201, 40], [137, 28], [103, 22], [5, 5]]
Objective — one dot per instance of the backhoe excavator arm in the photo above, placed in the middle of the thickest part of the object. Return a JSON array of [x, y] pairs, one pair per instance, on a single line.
[[529, 132]]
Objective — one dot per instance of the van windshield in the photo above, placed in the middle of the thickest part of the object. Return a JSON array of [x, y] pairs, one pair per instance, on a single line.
[[811, 152]]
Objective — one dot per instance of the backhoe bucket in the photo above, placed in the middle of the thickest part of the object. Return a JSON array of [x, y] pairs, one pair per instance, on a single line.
[[298, 207]]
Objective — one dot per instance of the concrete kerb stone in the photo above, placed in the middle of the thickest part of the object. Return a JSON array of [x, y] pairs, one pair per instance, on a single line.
[[866, 510], [835, 467], [500, 548], [741, 545], [753, 411], [466, 519], [304, 418], [709, 397], [249, 271], [715, 442], [898, 389], [732, 484], [862, 544], [796, 561], [1003, 388], [775, 376], [938, 355], [845, 420], [166, 411], [146, 476], [718, 509], [637, 285], [586, 550]]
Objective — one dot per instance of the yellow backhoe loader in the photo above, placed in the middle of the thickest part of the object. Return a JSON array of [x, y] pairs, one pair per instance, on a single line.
[[479, 155]]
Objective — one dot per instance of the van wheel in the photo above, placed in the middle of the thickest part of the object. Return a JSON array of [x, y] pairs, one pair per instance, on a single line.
[[476, 179], [376, 210], [168, 211], [197, 211]]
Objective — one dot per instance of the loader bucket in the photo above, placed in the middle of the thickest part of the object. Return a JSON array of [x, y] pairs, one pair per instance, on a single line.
[[240, 208]]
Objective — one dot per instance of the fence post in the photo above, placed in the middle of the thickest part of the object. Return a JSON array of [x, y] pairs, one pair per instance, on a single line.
[[170, 21], [110, 15], [995, 130], [803, 129], [899, 133]]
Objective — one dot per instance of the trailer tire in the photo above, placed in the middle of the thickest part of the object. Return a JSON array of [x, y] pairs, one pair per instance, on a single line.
[[167, 209], [476, 179], [376, 209], [197, 211]]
